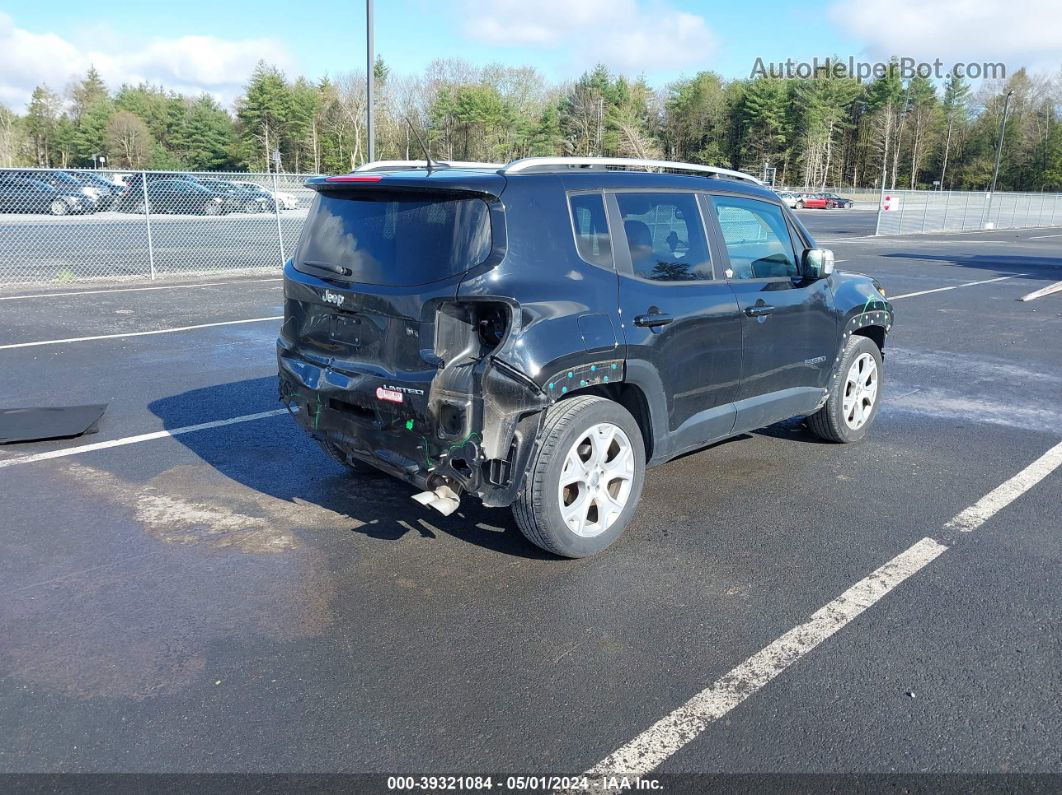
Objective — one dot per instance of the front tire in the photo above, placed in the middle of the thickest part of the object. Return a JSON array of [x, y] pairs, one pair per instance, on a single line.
[[583, 486], [800, 205], [58, 207], [855, 394]]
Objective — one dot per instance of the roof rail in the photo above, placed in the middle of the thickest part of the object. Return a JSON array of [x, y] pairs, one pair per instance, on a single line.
[[405, 165], [557, 163]]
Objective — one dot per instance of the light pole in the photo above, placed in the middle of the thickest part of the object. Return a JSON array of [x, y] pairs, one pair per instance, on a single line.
[[999, 152], [369, 79]]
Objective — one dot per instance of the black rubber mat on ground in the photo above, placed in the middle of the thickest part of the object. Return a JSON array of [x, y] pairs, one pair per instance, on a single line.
[[60, 422]]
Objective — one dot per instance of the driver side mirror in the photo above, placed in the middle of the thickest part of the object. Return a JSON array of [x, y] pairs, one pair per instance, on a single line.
[[818, 263]]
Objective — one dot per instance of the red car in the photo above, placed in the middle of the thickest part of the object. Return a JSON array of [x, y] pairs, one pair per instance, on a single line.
[[813, 201]]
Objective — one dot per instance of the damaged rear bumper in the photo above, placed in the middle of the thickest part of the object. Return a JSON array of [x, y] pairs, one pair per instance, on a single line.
[[472, 428]]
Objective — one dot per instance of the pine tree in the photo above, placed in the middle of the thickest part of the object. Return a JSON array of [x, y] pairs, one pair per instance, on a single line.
[[956, 111], [265, 114], [206, 136], [41, 119], [86, 93]]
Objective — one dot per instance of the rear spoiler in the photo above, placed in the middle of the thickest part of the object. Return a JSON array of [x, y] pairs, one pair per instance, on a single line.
[[443, 182]]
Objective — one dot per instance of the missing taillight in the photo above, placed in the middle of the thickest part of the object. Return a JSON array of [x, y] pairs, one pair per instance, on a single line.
[[492, 322], [470, 330]]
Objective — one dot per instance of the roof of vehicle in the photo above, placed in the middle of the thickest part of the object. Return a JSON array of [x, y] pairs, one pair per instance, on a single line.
[[582, 173]]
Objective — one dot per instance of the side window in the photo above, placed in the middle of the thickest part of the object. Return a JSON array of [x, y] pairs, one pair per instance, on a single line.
[[757, 239], [591, 228], [665, 236]]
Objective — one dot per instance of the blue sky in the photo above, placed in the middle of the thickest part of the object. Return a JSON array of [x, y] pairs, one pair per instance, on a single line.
[[196, 45]]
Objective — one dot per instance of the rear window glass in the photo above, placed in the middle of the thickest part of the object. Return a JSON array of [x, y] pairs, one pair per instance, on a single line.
[[392, 240]]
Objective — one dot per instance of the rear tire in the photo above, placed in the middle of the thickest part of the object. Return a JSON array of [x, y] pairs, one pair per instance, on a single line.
[[58, 207], [853, 404], [800, 205], [353, 464], [597, 447]]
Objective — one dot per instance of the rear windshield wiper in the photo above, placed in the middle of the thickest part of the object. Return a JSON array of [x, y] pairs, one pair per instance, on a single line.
[[327, 266]]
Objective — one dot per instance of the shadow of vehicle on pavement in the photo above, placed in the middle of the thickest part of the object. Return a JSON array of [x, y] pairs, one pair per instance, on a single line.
[[275, 457], [1005, 264]]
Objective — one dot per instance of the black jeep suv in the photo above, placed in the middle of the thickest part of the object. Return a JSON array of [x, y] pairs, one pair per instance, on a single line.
[[538, 334]]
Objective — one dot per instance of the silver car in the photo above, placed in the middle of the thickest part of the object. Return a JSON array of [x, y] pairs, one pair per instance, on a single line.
[[789, 199]]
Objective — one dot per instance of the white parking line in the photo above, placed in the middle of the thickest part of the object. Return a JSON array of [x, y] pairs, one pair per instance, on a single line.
[[672, 732], [1042, 237], [1051, 288], [134, 289], [1004, 494], [144, 437], [955, 286], [137, 333]]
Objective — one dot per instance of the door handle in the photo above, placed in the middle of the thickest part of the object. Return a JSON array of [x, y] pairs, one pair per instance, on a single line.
[[759, 310], [653, 320]]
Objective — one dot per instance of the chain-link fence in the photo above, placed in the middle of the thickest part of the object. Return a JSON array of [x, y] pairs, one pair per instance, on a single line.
[[909, 211], [74, 225]]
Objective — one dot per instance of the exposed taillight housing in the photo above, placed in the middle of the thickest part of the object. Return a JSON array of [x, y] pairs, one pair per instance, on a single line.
[[470, 329], [492, 323]]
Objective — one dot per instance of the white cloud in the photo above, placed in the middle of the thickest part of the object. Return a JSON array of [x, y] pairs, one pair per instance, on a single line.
[[189, 64], [623, 34], [1018, 32]]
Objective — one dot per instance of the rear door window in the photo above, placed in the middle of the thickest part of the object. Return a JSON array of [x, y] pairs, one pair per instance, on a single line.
[[393, 240], [665, 236]]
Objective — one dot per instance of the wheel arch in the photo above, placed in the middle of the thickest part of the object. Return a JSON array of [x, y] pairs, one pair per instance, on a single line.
[[874, 333], [642, 394]]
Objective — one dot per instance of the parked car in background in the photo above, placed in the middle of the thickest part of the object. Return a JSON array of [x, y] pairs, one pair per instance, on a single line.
[[251, 198], [812, 201], [63, 183], [103, 192], [133, 196], [788, 199], [286, 201], [22, 194], [182, 196], [835, 201]]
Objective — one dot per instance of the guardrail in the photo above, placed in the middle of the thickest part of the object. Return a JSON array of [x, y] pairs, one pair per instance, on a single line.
[[904, 212], [78, 225]]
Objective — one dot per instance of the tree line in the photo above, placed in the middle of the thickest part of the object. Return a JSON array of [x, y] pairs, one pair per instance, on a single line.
[[805, 132]]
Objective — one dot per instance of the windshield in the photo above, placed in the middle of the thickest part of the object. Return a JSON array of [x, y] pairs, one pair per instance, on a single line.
[[393, 240]]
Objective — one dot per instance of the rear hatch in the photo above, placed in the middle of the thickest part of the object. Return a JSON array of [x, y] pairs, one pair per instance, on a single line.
[[376, 258]]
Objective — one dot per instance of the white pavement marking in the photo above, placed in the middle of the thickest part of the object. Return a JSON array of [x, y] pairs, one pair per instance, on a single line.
[[1042, 237], [134, 289], [955, 286], [138, 333], [144, 437], [1004, 494], [1051, 288], [672, 732]]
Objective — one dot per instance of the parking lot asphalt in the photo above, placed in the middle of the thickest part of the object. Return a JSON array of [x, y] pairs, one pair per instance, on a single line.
[[229, 600]]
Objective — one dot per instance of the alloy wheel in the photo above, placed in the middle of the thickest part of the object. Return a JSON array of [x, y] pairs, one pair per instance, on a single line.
[[596, 480], [860, 391]]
